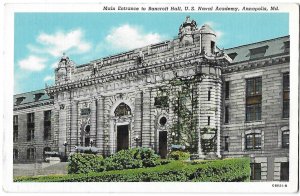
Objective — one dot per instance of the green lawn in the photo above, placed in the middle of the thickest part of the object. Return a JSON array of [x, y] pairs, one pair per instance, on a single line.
[[227, 170]]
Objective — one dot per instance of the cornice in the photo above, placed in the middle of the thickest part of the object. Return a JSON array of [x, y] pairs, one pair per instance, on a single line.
[[250, 65], [186, 60], [33, 105]]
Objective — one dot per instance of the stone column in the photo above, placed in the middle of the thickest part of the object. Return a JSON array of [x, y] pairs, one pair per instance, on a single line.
[[55, 123], [62, 126], [108, 130], [74, 125], [218, 116], [100, 125], [69, 121], [152, 123], [138, 119], [200, 153], [146, 133], [93, 131]]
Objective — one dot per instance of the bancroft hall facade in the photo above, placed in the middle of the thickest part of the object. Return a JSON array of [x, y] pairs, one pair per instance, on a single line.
[[183, 93]]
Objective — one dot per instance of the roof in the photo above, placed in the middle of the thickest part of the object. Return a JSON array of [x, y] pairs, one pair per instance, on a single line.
[[29, 97], [273, 47]]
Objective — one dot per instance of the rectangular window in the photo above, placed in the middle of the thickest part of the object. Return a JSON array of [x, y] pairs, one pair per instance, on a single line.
[[227, 88], [16, 120], [256, 53], [253, 141], [30, 118], [16, 128], [253, 99], [85, 111], [208, 120], [30, 134], [226, 121], [286, 95], [47, 125], [16, 154], [161, 102], [285, 139], [30, 154], [226, 143], [30, 126], [212, 45], [16, 135], [47, 115], [284, 171], [47, 134], [255, 171], [208, 96]]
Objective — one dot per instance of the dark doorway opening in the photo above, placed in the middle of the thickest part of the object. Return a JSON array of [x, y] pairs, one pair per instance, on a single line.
[[87, 136], [284, 171], [122, 137], [163, 146]]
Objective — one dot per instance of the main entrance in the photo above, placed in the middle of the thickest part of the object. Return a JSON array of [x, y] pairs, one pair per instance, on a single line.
[[122, 137], [163, 148]]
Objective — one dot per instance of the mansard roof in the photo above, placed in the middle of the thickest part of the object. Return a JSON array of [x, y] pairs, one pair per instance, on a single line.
[[30, 97], [272, 47]]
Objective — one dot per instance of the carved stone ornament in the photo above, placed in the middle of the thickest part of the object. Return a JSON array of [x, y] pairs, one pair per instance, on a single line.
[[62, 106]]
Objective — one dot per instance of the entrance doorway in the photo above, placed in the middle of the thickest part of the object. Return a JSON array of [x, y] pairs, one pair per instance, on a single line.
[[163, 147], [122, 137], [87, 136]]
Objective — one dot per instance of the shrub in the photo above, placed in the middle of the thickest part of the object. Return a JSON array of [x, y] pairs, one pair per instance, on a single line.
[[124, 159], [227, 170], [179, 155], [85, 163], [132, 158]]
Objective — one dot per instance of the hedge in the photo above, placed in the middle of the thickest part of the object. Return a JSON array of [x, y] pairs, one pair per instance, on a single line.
[[227, 170], [124, 159]]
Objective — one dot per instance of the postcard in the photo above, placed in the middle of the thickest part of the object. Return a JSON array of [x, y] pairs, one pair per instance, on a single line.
[[151, 97]]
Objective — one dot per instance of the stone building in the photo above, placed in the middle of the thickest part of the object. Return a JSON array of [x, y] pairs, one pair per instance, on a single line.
[[182, 93]]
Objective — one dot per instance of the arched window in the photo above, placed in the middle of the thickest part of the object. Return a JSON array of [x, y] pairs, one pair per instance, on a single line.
[[122, 110], [285, 138]]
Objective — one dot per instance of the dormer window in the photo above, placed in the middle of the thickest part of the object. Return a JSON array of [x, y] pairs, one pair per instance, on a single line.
[[232, 55], [256, 53], [19, 100], [37, 96], [286, 46]]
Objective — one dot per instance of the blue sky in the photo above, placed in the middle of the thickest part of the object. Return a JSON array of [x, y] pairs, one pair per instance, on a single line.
[[41, 38]]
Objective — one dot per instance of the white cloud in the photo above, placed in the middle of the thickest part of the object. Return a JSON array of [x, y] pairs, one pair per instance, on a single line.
[[210, 23], [219, 34], [71, 42], [48, 78], [54, 65], [33, 63], [128, 37], [214, 26]]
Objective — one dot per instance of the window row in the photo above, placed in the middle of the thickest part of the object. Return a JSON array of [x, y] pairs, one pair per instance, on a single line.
[[30, 153], [256, 171], [253, 104], [253, 140], [31, 126]]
